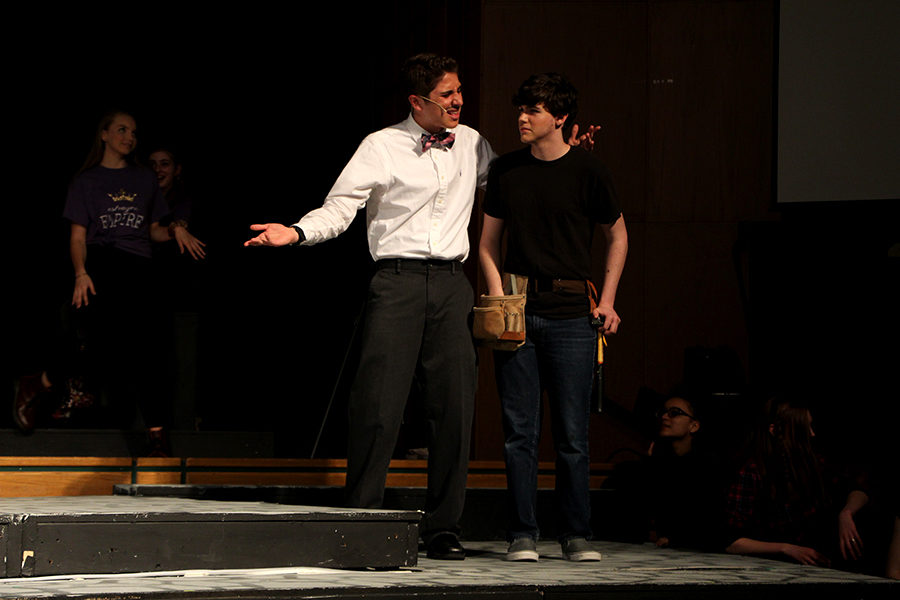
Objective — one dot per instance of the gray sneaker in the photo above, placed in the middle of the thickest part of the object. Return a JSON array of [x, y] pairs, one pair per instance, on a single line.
[[578, 549], [522, 548]]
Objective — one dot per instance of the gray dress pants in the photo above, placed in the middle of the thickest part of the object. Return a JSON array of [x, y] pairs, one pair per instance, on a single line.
[[416, 325]]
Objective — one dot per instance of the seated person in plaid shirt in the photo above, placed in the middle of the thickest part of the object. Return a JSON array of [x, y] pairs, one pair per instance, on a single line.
[[780, 504]]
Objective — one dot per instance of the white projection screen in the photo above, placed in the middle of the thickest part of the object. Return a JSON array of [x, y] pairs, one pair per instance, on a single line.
[[838, 105]]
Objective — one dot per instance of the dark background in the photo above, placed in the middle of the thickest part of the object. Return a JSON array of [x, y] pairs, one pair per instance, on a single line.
[[267, 106]]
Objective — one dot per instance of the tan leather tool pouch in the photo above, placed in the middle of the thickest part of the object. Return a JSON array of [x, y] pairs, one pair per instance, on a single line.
[[499, 321]]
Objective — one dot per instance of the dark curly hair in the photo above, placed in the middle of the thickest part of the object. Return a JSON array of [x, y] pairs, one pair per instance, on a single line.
[[423, 71], [557, 94]]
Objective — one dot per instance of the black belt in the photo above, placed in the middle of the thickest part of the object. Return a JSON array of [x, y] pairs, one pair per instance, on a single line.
[[418, 265], [548, 284]]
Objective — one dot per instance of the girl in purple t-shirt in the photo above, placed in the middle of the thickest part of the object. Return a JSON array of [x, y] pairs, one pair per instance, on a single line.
[[114, 207], [112, 203]]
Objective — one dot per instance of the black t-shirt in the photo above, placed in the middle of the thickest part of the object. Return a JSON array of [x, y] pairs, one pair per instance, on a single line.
[[550, 210]]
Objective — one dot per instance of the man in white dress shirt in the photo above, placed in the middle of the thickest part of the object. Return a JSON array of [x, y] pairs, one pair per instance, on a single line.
[[417, 181]]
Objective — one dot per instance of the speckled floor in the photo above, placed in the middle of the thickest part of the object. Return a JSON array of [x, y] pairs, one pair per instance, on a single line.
[[626, 570], [647, 571]]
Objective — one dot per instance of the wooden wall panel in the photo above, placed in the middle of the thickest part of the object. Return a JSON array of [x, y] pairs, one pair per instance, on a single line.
[[710, 110]]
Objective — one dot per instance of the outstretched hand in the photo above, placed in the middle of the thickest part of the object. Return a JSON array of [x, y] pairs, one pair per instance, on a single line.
[[273, 234], [585, 140]]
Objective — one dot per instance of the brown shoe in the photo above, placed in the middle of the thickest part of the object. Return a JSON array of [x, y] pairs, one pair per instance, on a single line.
[[29, 390]]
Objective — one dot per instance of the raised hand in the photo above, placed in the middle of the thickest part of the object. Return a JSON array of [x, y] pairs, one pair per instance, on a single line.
[[585, 140]]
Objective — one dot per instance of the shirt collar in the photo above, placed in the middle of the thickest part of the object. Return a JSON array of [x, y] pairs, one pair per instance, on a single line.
[[415, 130]]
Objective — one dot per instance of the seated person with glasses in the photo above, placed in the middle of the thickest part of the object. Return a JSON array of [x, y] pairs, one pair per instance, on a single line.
[[681, 486]]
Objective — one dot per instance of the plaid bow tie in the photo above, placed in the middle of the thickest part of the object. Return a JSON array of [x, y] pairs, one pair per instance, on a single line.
[[444, 138]]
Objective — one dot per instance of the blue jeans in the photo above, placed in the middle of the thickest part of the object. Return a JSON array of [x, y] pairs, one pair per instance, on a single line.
[[558, 356]]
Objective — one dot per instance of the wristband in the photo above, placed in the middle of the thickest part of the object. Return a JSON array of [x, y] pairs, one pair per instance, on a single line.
[[301, 237]]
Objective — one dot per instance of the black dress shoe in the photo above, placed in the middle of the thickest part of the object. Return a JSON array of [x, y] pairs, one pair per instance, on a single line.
[[446, 546]]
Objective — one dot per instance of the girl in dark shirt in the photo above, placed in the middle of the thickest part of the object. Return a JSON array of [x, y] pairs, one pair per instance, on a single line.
[[782, 503], [114, 207]]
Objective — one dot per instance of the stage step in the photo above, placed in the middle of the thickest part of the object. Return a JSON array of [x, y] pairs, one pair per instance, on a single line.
[[93, 475], [122, 534], [119, 442]]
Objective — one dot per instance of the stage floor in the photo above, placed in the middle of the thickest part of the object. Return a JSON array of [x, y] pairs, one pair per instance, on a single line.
[[626, 571]]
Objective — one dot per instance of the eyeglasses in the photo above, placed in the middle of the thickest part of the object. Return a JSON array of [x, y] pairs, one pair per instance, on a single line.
[[672, 412]]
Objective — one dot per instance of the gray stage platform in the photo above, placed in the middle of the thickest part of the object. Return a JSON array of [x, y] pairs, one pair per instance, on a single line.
[[626, 571], [121, 534]]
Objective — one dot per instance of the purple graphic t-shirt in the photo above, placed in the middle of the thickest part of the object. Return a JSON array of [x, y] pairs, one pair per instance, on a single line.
[[116, 206]]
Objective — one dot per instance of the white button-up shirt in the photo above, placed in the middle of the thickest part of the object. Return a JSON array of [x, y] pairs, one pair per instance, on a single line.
[[418, 204]]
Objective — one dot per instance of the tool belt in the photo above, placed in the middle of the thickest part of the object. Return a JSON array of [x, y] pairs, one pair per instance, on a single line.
[[574, 286], [499, 321]]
